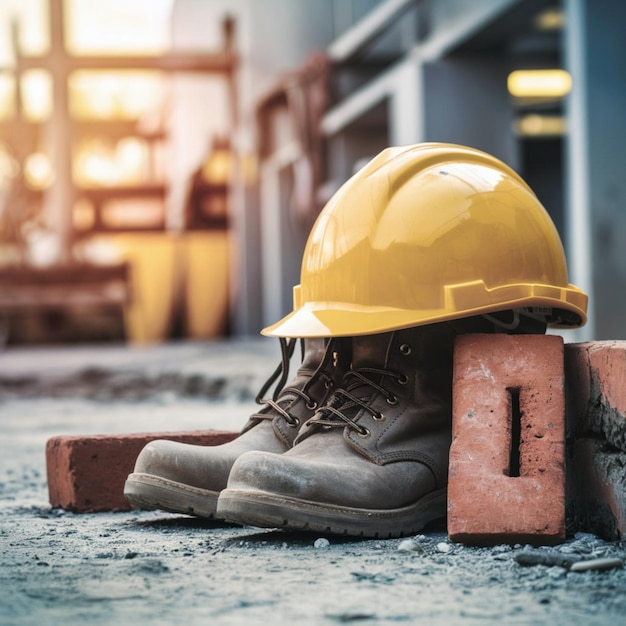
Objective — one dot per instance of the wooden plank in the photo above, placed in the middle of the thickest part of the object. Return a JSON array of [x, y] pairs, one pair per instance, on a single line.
[[218, 63], [64, 287]]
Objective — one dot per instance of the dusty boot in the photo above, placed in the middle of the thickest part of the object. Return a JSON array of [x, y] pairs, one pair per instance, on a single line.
[[373, 462], [186, 478]]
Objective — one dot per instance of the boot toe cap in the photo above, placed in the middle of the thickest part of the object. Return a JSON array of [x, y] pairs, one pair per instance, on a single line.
[[357, 483], [266, 471], [198, 466]]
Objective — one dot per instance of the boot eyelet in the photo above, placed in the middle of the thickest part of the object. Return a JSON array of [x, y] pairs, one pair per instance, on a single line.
[[379, 417], [403, 379], [405, 349], [294, 422], [365, 433], [311, 406], [392, 400], [328, 384]]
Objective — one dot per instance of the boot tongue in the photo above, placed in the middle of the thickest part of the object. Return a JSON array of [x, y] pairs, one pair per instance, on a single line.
[[315, 349], [370, 351]]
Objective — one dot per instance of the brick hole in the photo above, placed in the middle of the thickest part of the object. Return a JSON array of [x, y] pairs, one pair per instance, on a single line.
[[516, 432]]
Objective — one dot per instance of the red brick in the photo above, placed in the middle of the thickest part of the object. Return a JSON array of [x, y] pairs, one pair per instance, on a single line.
[[596, 489], [87, 473], [485, 503], [596, 383], [596, 471]]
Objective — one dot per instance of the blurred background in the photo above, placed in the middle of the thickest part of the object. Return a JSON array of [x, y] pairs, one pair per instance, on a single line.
[[162, 161]]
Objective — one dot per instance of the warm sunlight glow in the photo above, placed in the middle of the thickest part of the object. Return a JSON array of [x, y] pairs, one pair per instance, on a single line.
[[138, 212], [94, 168], [132, 156], [539, 83], [217, 168], [7, 95], [113, 27], [118, 26], [36, 90], [115, 94], [31, 17], [38, 171], [99, 163]]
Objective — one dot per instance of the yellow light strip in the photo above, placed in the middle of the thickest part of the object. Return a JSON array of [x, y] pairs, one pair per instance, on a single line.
[[539, 83], [534, 125], [550, 19]]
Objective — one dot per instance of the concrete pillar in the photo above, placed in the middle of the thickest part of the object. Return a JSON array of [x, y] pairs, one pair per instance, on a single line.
[[406, 123], [283, 235], [595, 51]]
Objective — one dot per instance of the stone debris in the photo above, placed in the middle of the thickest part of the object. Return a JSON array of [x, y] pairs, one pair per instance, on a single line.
[[583, 543], [408, 545], [568, 556], [322, 542], [201, 570], [596, 564], [413, 544], [545, 557]]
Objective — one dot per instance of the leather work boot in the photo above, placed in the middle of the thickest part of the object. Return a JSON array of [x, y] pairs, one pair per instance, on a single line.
[[373, 462], [187, 478]]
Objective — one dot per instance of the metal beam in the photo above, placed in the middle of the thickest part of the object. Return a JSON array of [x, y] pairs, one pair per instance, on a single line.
[[359, 102], [461, 27], [367, 29], [442, 41]]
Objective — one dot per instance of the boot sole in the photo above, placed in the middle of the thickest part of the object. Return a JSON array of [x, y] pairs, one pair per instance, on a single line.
[[145, 491], [255, 508]]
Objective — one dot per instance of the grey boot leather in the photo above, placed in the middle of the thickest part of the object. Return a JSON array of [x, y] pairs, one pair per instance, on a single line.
[[372, 462], [186, 478]]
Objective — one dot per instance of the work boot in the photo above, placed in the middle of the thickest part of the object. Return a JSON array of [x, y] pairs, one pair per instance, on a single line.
[[186, 478], [373, 462]]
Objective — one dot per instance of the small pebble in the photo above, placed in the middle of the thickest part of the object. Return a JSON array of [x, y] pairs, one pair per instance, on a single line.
[[444, 547], [322, 542], [408, 545], [583, 566]]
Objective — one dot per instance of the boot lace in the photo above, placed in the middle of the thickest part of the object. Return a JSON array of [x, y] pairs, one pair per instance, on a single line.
[[335, 414], [282, 394]]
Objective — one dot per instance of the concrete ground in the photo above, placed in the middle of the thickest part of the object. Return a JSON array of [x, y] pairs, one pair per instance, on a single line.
[[157, 568]]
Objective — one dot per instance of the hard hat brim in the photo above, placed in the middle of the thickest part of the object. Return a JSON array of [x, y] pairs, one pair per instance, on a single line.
[[341, 319]]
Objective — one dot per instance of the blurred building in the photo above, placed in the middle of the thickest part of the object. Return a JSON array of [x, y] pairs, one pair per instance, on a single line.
[[325, 85], [270, 105]]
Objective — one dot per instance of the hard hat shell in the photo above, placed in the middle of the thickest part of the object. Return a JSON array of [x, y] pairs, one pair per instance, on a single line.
[[428, 233]]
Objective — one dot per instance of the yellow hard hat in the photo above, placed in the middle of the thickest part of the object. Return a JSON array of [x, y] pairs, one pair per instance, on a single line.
[[428, 233]]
